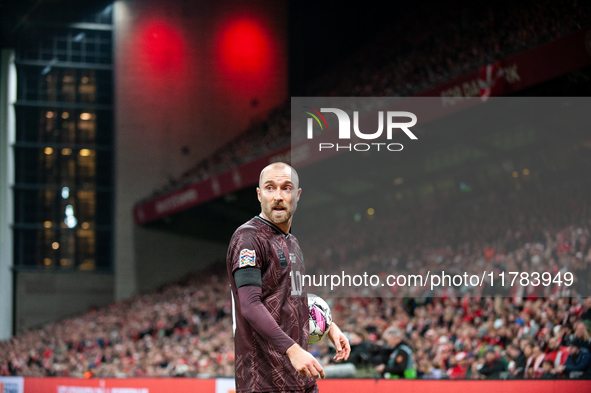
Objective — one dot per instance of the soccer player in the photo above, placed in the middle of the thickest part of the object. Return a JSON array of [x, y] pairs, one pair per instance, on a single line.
[[271, 325]]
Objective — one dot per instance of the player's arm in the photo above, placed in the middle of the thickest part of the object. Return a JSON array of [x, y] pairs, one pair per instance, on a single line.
[[245, 255], [341, 343], [249, 284]]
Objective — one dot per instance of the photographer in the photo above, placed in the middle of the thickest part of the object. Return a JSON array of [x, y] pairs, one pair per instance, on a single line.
[[398, 362]]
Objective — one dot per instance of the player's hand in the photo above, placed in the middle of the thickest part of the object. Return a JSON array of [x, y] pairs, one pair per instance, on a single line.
[[304, 362], [341, 343]]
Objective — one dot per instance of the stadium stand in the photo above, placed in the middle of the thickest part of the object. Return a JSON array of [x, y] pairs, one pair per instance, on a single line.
[[409, 59], [184, 329], [526, 232]]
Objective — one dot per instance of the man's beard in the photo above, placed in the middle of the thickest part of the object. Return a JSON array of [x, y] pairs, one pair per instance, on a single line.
[[272, 215]]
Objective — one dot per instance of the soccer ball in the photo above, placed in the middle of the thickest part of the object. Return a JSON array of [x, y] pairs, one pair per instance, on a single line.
[[320, 318]]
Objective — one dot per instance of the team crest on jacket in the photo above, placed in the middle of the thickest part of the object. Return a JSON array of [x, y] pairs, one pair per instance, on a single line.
[[247, 258]]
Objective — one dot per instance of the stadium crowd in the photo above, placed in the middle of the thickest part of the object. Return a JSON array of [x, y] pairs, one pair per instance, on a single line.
[[467, 338], [185, 329], [502, 229], [465, 331], [409, 58]]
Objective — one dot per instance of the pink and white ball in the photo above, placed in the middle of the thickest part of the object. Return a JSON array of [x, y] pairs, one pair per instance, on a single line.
[[320, 318]]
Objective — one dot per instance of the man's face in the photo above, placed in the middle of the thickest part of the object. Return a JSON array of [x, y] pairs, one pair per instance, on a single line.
[[513, 352], [392, 340], [573, 350], [527, 351], [278, 196]]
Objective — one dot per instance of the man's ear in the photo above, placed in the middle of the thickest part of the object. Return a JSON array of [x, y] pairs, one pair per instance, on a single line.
[[259, 194], [299, 193]]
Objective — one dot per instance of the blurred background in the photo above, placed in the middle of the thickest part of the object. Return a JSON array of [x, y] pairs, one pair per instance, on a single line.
[[132, 134]]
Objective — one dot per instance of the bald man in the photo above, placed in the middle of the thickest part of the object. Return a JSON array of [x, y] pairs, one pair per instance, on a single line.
[[270, 306]]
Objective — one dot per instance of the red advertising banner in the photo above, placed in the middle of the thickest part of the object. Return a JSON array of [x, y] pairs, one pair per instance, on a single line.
[[206, 190], [189, 385], [503, 77], [383, 386]]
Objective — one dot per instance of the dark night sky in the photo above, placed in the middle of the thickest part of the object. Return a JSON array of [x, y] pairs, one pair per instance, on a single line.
[[324, 33]]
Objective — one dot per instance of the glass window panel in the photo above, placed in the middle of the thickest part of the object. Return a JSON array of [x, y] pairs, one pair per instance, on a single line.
[[48, 125], [63, 231], [86, 206]]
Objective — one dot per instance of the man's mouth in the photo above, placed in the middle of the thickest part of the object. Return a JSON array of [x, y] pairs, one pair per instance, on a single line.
[[278, 209]]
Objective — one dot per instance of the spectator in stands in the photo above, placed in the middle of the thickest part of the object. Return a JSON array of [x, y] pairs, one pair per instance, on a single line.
[[517, 361], [548, 370], [556, 354], [400, 362], [578, 363], [534, 362], [362, 351], [493, 366], [529, 327], [462, 365], [581, 335], [586, 314], [427, 370]]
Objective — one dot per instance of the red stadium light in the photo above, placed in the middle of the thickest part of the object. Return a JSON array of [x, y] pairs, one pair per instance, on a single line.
[[244, 47], [245, 52], [163, 46]]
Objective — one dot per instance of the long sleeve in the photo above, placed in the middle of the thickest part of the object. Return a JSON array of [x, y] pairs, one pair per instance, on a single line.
[[260, 319]]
